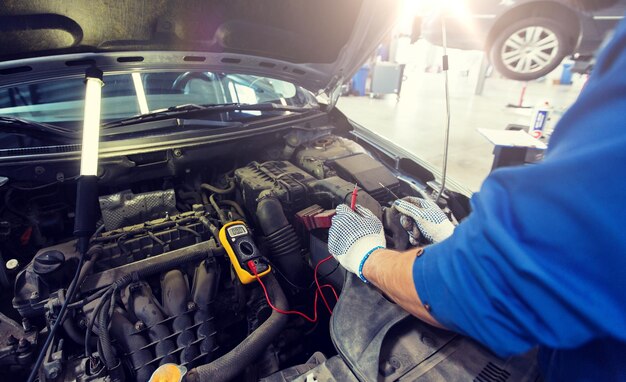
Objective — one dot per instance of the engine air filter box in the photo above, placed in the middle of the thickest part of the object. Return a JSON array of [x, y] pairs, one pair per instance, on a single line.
[[279, 179], [369, 174]]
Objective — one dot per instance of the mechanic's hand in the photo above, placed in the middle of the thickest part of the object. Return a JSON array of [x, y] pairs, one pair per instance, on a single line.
[[353, 236], [428, 217]]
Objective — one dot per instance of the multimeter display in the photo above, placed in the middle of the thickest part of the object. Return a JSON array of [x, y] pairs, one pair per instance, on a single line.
[[240, 247], [237, 230]]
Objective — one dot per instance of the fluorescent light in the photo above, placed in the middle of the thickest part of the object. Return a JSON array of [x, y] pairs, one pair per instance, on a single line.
[[91, 127], [141, 94]]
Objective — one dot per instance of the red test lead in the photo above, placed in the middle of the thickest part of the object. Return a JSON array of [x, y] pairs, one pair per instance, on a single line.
[[318, 293], [354, 195]]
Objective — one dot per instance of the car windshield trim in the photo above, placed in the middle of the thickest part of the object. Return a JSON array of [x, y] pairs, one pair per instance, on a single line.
[[23, 126], [144, 126], [60, 134], [201, 109]]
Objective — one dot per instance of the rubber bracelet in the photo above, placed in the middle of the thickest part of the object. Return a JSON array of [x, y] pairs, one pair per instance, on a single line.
[[367, 255]]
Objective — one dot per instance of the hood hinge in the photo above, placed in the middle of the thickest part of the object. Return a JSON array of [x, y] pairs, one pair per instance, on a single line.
[[333, 91]]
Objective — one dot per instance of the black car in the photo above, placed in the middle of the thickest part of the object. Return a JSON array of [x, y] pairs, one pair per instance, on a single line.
[[526, 39]]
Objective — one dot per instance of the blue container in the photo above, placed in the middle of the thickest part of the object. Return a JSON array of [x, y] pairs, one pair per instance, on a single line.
[[359, 80], [566, 76]]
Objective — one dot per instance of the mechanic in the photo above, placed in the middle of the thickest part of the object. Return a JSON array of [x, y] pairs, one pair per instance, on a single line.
[[540, 261]]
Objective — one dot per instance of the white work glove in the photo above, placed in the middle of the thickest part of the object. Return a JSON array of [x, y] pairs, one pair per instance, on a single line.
[[353, 236], [427, 216]]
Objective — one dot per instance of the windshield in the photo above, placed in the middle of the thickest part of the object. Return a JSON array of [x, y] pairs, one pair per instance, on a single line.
[[130, 94]]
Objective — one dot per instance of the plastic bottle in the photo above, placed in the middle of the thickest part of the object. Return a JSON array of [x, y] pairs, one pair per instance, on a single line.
[[539, 120]]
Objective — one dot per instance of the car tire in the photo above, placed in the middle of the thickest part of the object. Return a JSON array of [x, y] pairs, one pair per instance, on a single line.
[[529, 48]]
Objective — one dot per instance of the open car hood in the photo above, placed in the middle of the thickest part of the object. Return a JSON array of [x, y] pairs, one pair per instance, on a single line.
[[315, 44]]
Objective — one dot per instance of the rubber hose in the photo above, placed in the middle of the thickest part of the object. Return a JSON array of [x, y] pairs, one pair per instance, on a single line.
[[211, 227], [93, 254], [104, 310], [216, 190], [271, 215], [68, 324], [72, 331], [220, 213], [235, 205], [90, 326], [108, 354], [75, 333], [205, 199], [283, 242], [234, 362]]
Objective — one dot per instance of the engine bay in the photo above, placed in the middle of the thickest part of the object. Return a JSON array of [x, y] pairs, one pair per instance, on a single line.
[[162, 282]]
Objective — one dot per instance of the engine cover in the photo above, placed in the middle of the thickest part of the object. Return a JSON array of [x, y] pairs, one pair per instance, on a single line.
[[296, 189], [280, 179]]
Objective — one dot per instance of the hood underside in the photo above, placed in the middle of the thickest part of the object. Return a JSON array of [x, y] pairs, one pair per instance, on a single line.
[[311, 43]]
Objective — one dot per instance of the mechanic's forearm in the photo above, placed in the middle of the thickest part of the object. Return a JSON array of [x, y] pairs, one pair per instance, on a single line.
[[392, 272]]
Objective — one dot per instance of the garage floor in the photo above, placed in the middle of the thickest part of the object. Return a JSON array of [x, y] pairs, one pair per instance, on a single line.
[[417, 121]]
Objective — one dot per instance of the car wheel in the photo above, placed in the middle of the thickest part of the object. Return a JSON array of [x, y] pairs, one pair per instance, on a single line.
[[529, 49]]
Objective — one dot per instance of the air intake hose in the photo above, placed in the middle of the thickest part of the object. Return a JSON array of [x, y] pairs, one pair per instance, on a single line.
[[283, 242], [234, 362]]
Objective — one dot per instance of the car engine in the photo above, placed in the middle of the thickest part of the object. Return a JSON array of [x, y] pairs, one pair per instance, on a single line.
[[157, 286], [211, 262]]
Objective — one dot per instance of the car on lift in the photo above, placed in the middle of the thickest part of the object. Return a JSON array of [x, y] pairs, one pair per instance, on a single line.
[[524, 40], [221, 159]]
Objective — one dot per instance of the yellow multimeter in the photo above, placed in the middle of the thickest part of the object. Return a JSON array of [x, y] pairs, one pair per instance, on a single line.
[[239, 245]]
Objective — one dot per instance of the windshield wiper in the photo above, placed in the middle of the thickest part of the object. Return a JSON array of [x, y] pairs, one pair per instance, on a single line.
[[34, 129], [193, 109]]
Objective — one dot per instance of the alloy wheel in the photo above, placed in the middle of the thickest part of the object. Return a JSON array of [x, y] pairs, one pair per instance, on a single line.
[[530, 49]]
